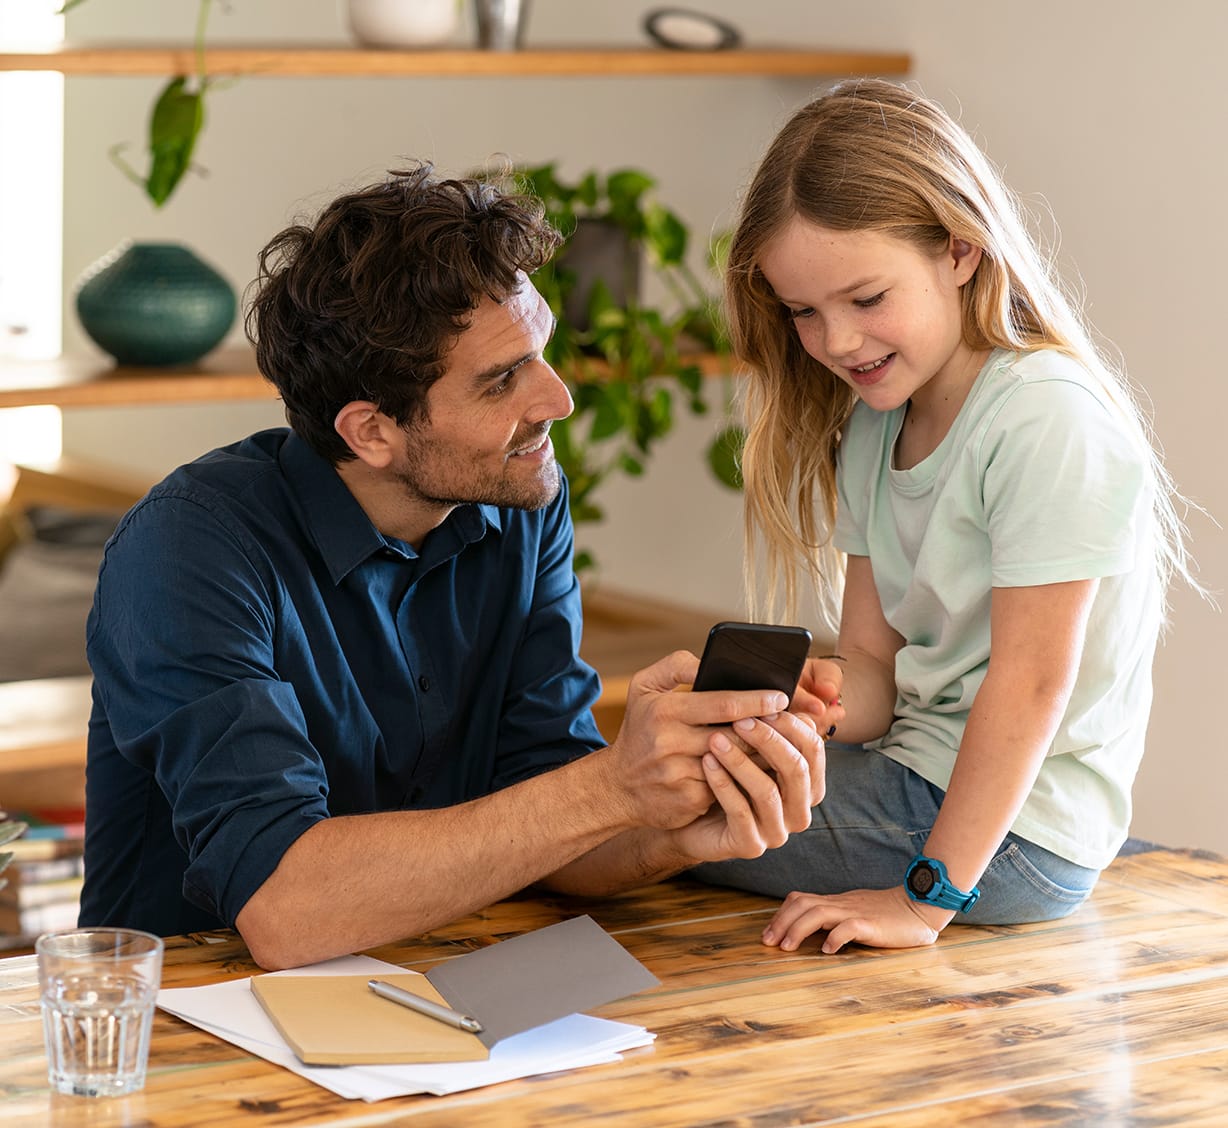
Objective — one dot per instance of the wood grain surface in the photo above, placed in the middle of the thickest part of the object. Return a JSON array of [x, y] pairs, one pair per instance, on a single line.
[[1114, 1016]]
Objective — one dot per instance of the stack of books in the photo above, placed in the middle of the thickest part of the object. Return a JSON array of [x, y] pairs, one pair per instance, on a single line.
[[42, 890]]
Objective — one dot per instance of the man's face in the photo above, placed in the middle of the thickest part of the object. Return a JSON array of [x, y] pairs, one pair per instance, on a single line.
[[485, 435]]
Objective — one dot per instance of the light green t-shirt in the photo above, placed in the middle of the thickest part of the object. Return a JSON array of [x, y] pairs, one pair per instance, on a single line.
[[1038, 481]]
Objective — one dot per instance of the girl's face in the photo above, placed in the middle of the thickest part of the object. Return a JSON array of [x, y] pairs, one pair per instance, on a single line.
[[880, 313]]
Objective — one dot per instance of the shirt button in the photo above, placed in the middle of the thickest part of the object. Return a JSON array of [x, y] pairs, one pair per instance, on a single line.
[[424, 683]]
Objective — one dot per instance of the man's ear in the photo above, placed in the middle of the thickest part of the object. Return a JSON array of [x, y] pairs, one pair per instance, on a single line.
[[965, 258], [369, 433]]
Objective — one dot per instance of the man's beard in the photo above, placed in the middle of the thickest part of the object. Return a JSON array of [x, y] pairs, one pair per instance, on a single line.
[[451, 481]]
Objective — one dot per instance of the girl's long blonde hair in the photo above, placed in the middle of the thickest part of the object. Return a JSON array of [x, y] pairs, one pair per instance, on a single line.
[[873, 155]]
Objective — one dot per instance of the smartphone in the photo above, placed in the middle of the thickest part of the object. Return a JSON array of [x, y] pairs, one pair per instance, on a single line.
[[753, 656]]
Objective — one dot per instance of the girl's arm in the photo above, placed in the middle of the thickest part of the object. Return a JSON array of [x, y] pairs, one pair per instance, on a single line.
[[1037, 636], [1036, 645], [867, 647]]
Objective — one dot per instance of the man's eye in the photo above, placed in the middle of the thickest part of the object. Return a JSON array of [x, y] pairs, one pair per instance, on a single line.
[[501, 385], [868, 303]]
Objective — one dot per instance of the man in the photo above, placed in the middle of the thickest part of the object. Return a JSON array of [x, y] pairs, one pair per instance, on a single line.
[[337, 698]]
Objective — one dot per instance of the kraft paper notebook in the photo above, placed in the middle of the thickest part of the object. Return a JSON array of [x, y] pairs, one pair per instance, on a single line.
[[509, 987]]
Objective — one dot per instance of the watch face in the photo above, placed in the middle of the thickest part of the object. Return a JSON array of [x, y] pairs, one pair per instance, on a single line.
[[922, 880]]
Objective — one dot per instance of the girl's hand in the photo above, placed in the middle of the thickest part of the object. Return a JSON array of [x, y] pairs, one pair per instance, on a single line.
[[878, 918], [819, 694]]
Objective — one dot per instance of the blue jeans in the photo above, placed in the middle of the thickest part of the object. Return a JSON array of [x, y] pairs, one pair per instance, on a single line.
[[874, 819]]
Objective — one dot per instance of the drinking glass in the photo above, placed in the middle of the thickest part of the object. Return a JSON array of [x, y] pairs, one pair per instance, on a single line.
[[98, 988]]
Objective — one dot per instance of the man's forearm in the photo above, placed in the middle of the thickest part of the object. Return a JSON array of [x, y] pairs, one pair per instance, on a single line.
[[351, 883], [629, 860]]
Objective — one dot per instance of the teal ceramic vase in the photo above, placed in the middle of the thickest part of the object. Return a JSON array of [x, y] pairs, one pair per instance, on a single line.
[[155, 304]]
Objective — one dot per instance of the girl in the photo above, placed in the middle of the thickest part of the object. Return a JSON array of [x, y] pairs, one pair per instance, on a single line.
[[925, 402]]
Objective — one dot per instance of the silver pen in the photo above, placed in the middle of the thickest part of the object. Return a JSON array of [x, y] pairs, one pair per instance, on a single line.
[[425, 1006]]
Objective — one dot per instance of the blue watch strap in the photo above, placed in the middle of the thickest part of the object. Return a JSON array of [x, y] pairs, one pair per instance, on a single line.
[[926, 881]]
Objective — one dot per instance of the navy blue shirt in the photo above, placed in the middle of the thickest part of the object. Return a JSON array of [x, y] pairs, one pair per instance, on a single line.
[[264, 658]]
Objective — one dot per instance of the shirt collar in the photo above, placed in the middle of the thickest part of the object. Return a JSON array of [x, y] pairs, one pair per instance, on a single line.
[[343, 532]]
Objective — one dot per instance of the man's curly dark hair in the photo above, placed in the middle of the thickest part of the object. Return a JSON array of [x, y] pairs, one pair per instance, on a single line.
[[365, 303]]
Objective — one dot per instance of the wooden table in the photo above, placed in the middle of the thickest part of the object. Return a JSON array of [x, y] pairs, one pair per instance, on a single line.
[[1115, 1016]]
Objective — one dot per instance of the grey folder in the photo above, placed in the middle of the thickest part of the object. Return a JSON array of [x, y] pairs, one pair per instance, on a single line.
[[535, 978]]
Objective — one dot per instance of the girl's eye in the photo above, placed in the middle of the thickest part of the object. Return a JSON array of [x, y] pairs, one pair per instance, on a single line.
[[798, 314], [869, 303]]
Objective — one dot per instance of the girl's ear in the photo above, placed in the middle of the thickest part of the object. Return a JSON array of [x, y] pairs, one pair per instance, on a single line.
[[368, 432], [965, 258]]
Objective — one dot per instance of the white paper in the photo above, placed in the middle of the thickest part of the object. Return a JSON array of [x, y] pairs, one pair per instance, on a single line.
[[231, 1012]]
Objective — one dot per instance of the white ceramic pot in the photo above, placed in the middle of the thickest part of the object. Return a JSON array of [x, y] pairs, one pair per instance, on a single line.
[[401, 23]]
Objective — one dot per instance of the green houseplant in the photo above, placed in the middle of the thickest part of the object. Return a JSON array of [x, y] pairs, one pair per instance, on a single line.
[[629, 365]]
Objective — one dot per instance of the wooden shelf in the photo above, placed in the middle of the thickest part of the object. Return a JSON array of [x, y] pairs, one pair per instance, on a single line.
[[228, 374], [337, 61]]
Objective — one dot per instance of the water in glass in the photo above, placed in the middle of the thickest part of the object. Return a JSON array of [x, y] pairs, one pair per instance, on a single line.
[[96, 1028]]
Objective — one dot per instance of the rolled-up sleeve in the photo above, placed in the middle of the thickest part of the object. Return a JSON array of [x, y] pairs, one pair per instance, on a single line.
[[182, 644]]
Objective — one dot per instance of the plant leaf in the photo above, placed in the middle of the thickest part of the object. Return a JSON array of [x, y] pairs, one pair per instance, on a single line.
[[625, 188], [587, 512], [666, 235], [177, 119], [691, 378], [541, 182], [611, 413], [725, 456], [588, 191]]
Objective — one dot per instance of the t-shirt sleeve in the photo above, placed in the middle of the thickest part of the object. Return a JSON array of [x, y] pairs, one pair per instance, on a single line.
[[857, 465], [1065, 486], [181, 643]]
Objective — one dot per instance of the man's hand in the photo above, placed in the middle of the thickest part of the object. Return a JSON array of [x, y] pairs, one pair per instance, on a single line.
[[878, 918], [656, 761], [696, 777], [761, 798]]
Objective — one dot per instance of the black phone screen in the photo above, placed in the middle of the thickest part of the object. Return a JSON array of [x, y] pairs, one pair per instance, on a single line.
[[753, 656]]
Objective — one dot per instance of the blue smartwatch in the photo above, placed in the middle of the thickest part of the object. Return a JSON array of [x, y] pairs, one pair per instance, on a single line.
[[926, 881]]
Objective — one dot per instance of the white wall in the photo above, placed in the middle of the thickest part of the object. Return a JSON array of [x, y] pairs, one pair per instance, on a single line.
[[1112, 111]]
